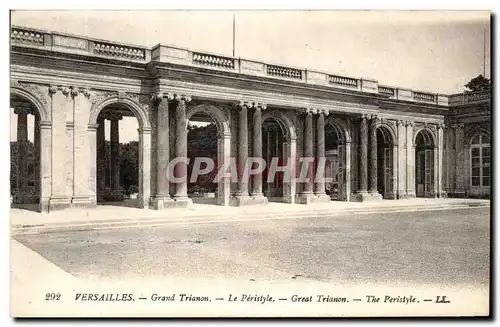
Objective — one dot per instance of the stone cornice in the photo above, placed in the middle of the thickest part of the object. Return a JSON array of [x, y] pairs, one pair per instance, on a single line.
[[225, 94]]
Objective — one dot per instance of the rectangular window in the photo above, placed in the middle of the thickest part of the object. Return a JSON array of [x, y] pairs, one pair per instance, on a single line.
[[486, 181], [475, 152], [476, 172], [475, 181]]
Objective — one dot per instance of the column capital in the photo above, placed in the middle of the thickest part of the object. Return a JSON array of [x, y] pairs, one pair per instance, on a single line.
[[364, 117], [458, 126], [182, 97], [113, 116], [441, 126], [252, 104], [64, 90], [324, 112], [410, 123], [400, 122], [79, 90], [374, 117], [309, 111], [23, 110]]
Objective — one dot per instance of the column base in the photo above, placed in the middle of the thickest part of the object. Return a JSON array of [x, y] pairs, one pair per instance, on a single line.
[[365, 196], [181, 201], [443, 195], [409, 195], [245, 200], [58, 203], [164, 202], [81, 201], [310, 198], [259, 198]]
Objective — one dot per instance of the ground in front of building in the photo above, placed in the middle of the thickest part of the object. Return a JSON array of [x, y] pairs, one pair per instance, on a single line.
[[446, 247]]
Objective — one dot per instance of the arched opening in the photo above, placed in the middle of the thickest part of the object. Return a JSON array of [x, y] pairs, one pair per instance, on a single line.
[[480, 165], [335, 161], [274, 149], [385, 163], [202, 142], [25, 154], [424, 164], [117, 156]]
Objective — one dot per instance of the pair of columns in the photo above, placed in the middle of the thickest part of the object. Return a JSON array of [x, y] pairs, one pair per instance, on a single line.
[[162, 198], [22, 154], [242, 189], [368, 139], [319, 155], [114, 158]]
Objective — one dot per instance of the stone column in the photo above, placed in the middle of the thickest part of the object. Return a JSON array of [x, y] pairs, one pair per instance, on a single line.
[[319, 186], [181, 148], [115, 156], [22, 153], [242, 192], [257, 149], [373, 155], [440, 190], [410, 158], [60, 106], [37, 157], [307, 196], [347, 171], [160, 102], [363, 159], [101, 156], [459, 167]]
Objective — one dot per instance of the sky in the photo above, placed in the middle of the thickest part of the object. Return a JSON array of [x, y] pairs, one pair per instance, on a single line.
[[432, 51]]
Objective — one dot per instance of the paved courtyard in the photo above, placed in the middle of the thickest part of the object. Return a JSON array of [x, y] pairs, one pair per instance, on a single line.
[[430, 247]]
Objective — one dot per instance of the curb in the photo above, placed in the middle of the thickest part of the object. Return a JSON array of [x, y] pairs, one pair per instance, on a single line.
[[123, 223]]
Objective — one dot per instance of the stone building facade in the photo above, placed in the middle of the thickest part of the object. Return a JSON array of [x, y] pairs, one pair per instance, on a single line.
[[389, 142]]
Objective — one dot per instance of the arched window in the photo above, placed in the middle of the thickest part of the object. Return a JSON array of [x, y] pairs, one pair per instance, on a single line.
[[480, 161]]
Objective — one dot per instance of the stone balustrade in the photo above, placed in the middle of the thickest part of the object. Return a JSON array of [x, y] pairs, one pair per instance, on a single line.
[[465, 98], [26, 37], [386, 90], [285, 72], [424, 97], [343, 81], [119, 51], [213, 60]]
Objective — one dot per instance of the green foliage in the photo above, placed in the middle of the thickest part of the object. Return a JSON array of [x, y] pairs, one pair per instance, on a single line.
[[202, 142], [478, 84]]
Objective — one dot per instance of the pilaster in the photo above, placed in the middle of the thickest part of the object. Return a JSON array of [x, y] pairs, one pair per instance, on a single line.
[[460, 159], [59, 100], [410, 161], [80, 140]]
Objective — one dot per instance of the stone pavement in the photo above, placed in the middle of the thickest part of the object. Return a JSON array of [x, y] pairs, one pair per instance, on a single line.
[[115, 216]]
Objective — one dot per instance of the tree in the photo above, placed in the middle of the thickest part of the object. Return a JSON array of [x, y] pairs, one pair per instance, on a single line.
[[477, 84], [129, 165]]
